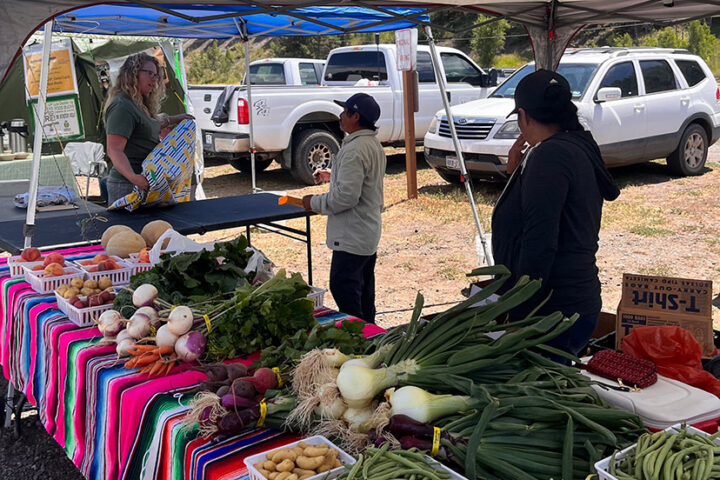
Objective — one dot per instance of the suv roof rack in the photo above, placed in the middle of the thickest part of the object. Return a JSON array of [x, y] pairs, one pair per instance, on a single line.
[[619, 51]]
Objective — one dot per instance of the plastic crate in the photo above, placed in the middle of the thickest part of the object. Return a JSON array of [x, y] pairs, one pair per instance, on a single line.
[[120, 276], [137, 266], [603, 466], [82, 317], [316, 440], [16, 265], [317, 295], [42, 284]]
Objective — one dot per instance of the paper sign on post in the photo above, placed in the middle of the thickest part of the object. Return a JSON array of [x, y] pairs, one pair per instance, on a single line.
[[61, 78], [406, 42]]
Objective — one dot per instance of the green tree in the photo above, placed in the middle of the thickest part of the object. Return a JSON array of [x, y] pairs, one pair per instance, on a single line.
[[314, 46], [669, 38], [488, 40], [701, 41], [624, 40]]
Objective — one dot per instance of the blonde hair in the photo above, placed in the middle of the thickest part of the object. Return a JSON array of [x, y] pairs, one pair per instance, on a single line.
[[127, 80]]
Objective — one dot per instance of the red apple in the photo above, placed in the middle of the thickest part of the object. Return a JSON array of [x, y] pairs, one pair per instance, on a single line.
[[54, 270]]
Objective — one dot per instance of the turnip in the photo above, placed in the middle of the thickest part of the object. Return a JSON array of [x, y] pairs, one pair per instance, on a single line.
[[190, 346], [123, 347], [151, 313], [110, 323], [123, 335], [144, 295], [165, 338], [180, 320], [139, 326]]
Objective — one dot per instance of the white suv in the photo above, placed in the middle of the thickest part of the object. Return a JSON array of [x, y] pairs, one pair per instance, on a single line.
[[639, 103]]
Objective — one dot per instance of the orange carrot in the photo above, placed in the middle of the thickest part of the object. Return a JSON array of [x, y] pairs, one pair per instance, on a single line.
[[166, 350], [170, 366], [147, 359], [131, 363], [157, 367], [145, 348]]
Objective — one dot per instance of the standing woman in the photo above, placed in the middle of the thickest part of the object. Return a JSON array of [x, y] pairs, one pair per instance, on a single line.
[[132, 122], [547, 221]]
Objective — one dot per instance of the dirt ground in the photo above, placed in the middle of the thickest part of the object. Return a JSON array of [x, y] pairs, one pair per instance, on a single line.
[[660, 225]]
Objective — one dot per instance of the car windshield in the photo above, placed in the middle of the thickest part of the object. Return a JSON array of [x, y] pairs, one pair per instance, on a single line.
[[578, 76]]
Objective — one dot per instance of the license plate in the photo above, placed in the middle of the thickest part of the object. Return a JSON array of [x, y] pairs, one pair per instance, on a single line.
[[452, 162], [208, 138]]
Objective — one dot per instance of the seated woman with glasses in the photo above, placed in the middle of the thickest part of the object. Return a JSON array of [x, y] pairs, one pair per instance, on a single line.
[[133, 122]]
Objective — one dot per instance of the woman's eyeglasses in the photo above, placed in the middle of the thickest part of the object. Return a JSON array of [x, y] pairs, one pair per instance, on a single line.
[[152, 74]]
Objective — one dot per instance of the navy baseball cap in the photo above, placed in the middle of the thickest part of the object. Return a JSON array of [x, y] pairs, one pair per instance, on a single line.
[[363, 104], [543, 91]]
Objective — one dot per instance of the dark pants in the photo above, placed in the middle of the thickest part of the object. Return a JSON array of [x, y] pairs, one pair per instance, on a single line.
[[575, 339], [352, 284], [103, 188]]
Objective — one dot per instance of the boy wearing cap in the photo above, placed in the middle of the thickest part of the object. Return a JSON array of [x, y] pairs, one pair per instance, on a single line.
[[354, 204], [547, 220]]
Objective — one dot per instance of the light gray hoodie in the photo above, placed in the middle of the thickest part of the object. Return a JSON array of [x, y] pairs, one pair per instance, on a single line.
[[354, 202]]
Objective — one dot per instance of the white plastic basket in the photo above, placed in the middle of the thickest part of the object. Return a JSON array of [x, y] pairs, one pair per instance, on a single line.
[[317, 295], [120, 276], [16, 264], [137, 266], [603, 466], [42, 284], [82, 317], [316, 440]]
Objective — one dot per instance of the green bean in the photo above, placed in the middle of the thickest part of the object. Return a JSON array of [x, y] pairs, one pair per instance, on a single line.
[[355, 468]]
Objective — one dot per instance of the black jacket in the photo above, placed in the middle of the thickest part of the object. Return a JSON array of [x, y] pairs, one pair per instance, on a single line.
[[547, 220]]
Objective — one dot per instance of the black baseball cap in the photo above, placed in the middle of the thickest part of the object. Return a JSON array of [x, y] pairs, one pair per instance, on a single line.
[[544, 93], [364, 105]]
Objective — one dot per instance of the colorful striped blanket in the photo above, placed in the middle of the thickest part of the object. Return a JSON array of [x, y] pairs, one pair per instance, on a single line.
[[113, 422]]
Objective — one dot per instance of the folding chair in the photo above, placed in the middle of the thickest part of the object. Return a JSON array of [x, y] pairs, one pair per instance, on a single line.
[[88, 159]]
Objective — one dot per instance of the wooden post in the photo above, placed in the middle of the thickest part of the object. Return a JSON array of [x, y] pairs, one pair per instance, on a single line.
[[409, 94]]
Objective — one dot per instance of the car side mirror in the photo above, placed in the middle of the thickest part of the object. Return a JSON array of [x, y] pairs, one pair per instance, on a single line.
[[607, 94]]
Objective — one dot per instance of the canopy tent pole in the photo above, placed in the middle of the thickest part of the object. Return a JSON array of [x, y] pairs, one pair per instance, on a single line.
[[465, 178], [29, 227], [37, 144], [242, 28]]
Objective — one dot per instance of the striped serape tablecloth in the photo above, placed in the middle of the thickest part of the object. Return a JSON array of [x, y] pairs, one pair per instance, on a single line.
[[113, 422]]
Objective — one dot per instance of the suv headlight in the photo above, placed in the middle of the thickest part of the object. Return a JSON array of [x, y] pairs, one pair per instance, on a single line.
[[433, 125], [508, 130]]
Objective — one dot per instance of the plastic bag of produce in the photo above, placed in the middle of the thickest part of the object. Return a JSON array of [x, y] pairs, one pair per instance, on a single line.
[[675, 352], [168, 169]]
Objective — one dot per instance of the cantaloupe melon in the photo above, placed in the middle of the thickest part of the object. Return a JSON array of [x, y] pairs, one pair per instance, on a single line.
[[152, 231], [111, 231], [123, 243]]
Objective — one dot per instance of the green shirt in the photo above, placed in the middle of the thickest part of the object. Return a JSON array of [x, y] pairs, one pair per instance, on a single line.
[[124, 118]]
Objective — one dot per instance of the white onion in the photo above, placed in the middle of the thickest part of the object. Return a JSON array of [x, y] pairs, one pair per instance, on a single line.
[[144, 295], [180, 320], [164, 337]]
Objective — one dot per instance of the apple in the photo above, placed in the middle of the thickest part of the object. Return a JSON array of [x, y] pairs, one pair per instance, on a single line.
[[30, 254], [107, 265], [54, 270], [54, 258], [144, 255]]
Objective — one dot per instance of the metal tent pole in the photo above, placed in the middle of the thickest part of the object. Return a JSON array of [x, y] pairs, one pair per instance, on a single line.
[[29, 227], [465, 178], [242, 27]]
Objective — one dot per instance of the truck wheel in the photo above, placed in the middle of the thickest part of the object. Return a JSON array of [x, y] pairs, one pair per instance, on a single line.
[[312, 150], [450, 177], [691, 153], [243, 164]]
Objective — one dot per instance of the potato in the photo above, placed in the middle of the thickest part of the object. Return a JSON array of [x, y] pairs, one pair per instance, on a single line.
[[286, 465], [284, 453], [298, 451], [77, 282], [283, 475], [269, 465], [86, 291], [300, 472], [273, 475], [264, 473], [104, 282], [315, 450], [63, 288], [310, 463], [90, 283]]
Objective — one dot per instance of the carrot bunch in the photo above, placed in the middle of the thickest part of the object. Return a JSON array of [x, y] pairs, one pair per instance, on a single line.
[[152, 360]]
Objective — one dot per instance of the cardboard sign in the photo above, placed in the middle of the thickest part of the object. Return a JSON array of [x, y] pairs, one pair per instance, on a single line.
[[662, 301], [61, 79], [406, 43]]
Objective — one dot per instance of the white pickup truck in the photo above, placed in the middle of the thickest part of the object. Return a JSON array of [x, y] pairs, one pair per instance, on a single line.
[[286, 71], [299, 125]]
